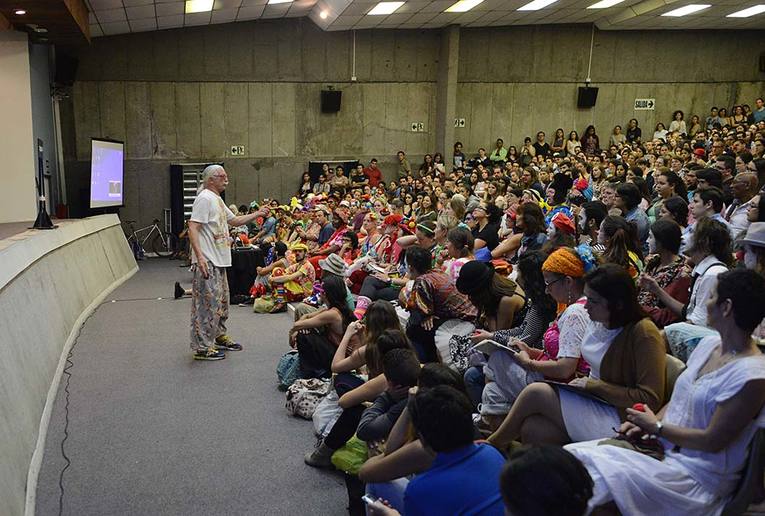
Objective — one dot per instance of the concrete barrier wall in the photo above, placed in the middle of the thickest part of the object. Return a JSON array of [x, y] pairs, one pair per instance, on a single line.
[[49, 283]]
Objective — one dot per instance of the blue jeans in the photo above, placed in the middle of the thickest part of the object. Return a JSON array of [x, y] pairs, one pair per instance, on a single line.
[[474, 383]]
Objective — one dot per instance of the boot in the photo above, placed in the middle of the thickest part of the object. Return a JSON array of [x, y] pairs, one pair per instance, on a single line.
[[362, 303], [321, 457]]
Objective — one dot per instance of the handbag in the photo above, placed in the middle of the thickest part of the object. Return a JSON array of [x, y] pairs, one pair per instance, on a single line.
[[288, 369], [304, 395], [326, 413], [264, 305], [351, 456]]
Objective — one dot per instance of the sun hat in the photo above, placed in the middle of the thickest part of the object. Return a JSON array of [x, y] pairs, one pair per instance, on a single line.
[[755, 235], [334, 265]]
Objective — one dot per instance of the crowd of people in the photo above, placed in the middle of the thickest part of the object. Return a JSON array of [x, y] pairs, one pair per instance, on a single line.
[[589, 307]]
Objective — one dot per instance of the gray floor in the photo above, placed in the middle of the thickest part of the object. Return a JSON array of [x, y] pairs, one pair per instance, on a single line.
[[152, 431]]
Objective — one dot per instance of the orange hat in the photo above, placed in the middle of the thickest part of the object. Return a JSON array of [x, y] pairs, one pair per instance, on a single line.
[[563, 223], [564, 261]]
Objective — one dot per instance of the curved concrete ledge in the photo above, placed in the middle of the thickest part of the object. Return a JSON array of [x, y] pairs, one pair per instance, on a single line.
[[49, 283]]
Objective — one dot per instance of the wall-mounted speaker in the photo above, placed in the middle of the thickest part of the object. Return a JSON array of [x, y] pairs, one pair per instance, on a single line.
[[66, 69], [330, 101], [587, 97], [762, 62]]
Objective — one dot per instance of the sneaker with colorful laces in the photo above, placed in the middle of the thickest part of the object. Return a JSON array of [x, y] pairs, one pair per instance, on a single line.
[[227, 344], [209, 354]]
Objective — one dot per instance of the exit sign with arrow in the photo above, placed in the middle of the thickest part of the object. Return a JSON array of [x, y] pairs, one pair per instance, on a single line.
[[645, 104]]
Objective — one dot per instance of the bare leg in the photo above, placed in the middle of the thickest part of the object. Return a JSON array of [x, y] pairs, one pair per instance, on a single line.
[[538, 399], [540, 430]]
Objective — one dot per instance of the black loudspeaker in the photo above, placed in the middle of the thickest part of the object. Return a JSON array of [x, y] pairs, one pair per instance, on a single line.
[[762, 62], [330, 101], [66, 69], [587, 97]]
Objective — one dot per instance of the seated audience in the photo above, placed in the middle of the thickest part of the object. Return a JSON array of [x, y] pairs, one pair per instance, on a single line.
[[711, 252], [560, 359], [704, 433], [401, 369], [500, 302], [316, 335], [545, 481], [665, 270], [459, 247], [464, 476], [621, 245], [627, 365], [353, 391], [433, 300]]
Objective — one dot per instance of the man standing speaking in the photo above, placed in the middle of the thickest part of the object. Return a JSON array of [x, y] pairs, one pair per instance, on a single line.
[[211, 246]]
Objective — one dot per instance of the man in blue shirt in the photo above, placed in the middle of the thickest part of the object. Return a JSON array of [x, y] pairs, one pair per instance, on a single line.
[[464, 477], [268, 229], [327, 229]]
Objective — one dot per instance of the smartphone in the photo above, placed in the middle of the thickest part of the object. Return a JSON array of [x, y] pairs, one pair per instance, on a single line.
[[369, 499]]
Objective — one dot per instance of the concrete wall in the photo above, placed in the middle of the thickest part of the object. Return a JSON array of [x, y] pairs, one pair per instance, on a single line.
[[45, 289], [189, 94], [538, 69], [17, 154]]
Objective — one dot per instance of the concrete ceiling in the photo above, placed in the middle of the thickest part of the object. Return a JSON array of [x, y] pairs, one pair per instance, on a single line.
[[109, 17]]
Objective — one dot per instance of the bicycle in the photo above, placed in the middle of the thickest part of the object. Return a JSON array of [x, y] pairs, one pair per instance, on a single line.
[[161, 243]]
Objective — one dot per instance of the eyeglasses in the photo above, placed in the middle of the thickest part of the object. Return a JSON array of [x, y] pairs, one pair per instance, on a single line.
[[551, 283]]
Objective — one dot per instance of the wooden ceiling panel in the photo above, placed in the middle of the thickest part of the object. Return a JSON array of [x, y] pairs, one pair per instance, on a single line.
[[66, 21]]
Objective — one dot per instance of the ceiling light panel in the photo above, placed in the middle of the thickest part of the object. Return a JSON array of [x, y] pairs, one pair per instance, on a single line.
[[385, 8], [272, 2], [746, 13], [463, 6], [686, 10], [198, 6], [605, 4], [536, 5]]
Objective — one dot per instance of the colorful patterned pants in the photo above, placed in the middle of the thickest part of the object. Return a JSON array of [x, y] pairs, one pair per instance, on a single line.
[[209, 307]]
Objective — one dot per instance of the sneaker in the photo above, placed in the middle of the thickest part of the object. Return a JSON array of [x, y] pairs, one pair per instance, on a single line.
[[321, 457], [227, 344], [209, 354], [179, 290]]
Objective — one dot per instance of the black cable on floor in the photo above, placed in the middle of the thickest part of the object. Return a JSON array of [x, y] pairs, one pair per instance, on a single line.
[[66, 371], [67, 367]]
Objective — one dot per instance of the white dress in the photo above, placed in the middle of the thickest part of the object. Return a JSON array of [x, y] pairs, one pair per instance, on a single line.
[[686, 481], [586, 418]]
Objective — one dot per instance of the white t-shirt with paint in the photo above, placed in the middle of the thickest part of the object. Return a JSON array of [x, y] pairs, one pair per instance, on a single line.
[[211, 212]]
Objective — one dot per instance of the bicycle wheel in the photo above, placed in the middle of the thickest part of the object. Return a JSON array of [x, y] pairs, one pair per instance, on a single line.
[[161, 244]]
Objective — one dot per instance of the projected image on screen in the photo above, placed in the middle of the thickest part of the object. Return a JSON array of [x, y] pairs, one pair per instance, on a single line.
[[106, 173]]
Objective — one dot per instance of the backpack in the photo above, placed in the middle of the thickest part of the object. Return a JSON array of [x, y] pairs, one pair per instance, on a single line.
[[288, 369], [304, 395]]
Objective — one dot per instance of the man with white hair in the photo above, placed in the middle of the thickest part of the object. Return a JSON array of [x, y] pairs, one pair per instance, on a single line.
[[211, 246]]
